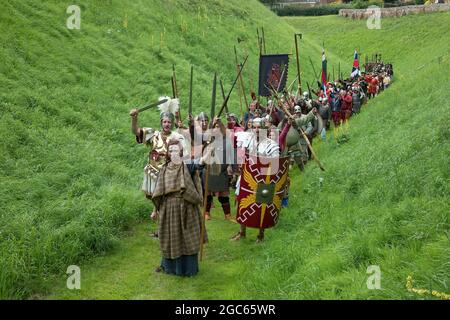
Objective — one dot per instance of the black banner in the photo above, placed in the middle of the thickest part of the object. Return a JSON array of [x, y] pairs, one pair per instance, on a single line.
[[271, 68]]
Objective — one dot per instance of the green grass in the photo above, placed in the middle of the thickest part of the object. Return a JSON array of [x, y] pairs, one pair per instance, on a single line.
[[70, 171]]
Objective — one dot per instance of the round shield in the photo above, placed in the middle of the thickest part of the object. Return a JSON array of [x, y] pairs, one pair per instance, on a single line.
[[318, 125]]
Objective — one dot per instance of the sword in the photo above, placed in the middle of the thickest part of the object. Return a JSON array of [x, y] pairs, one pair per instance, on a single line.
[[152, 105]]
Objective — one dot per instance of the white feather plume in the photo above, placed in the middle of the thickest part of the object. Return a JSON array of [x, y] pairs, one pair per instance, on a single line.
[[171, 105]]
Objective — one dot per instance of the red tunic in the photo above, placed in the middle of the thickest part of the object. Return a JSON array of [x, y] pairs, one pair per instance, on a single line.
[[373, 86], [346, 109]]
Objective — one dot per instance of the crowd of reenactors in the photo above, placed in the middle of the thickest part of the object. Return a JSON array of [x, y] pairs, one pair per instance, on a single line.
[[284, 126]]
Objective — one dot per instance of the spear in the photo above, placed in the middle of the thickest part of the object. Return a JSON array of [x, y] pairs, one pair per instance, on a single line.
[[223, 95], [213, 98], [309, 90], [175, 91], [263, 39], [232, 87], [299, 89], [259, 41], [292, 83], [240, 78], [205, 195], [190, 91], [339, 70], [314, 69], [174, 81]]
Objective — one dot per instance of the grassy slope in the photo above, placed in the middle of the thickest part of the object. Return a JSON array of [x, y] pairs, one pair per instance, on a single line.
[[384, 200], [69, 168], [81, 204]]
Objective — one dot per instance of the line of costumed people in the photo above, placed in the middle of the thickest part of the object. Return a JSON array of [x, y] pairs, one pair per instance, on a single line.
[[190, 165]]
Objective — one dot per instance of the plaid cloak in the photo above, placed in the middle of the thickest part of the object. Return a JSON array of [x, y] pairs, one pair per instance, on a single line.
[[178, 197]]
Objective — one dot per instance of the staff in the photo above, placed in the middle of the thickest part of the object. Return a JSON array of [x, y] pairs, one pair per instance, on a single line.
[[205, 195]]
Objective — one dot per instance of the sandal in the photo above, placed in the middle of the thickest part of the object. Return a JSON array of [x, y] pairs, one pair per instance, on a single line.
[[238, 236]]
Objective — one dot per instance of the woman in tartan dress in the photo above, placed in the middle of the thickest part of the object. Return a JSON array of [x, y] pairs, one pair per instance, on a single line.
[[178, 197]]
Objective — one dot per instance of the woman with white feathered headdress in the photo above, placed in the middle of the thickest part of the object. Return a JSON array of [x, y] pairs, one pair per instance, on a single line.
[[157, 140]]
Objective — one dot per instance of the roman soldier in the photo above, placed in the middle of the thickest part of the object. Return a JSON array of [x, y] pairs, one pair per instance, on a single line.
[[157, 141], [218, 182], [346, 109], [254, 143], [250, 114], [234, 127], [336, 108], [296, 144], [324, 111], [373, 86], [356, 98]]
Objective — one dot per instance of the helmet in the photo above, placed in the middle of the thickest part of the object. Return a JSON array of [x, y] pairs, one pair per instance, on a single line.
[[305, 94], [202, 117], [168, 115], [234, 117], [297, 109], [257, 122]]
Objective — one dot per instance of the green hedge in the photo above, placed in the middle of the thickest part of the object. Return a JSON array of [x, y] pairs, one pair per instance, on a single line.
[[295, 10], [310, 11]]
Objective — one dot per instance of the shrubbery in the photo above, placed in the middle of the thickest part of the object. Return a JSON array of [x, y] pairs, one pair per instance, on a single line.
[[311, 11]]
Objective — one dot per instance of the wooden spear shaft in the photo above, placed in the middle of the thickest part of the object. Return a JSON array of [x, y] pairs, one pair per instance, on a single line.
[[241, 82], [205, 200], [299, 89], [205, 195]]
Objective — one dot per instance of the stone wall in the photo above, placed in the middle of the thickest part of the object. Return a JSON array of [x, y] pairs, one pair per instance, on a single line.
[[394, 12]]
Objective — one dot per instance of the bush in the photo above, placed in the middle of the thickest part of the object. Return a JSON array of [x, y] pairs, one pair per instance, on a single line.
[[311, 11], [392, 4], [362, 4]]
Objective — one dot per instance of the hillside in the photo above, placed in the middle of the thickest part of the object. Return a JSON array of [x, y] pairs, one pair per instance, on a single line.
[[70, 170]]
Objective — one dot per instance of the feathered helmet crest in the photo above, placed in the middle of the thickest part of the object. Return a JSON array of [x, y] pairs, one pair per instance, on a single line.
[[168, 108]]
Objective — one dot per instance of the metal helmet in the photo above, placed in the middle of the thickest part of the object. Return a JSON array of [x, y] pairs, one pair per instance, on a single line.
[[258, 122], [202, 117], [297, 109], [234, 117], [306, 94], [167, 115]]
